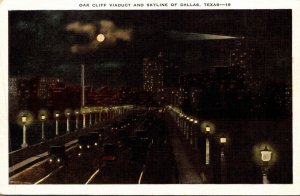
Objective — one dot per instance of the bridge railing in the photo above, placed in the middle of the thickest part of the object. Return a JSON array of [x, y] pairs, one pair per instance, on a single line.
[[44, 126]]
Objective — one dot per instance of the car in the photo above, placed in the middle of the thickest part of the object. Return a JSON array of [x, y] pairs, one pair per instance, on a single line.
[[109, 152], [94, 139], [115, 126], [84, 143], [57, 155]]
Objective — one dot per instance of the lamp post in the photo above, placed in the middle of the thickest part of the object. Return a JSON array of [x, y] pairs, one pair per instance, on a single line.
[[56, 123], [194, 134], [266, 156], [43, 118], [24, 120], [180, 120], [223, 172], [76, 120], [90, 112], [68, 121], [190, 133], [207, 157], [83, 119], [177, 119], [187, 119]]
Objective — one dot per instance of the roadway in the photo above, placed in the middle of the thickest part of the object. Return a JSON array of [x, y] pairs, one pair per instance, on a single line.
[[153, 164]]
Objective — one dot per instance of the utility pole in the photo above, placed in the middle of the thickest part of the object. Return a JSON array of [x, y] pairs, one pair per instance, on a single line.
[[82, 86]]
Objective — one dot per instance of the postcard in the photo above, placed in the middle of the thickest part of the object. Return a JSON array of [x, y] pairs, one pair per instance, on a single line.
[[150, 97]]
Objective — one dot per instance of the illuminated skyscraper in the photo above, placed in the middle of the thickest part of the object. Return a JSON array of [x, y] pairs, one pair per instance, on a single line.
[[153, 71]]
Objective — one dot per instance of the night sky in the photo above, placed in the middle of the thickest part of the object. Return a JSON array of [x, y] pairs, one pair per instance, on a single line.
[[55, 43]]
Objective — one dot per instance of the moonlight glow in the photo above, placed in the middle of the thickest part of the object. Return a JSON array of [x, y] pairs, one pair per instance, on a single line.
[[100, 37]]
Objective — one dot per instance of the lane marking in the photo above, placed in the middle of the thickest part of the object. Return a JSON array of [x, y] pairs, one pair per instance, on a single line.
[[27, 161], [41, 180], [29, 168], [91, 178], [71, 143], [141, 176], [44, 154]]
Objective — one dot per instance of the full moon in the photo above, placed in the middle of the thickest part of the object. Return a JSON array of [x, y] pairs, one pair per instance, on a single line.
[[100, 37]]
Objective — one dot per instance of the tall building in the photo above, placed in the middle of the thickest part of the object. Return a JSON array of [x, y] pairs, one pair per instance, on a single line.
[[42, 88], [160, 76], [242, 56], [153, 75], [13, 86], [13, 96], [23, 93], [56, 98]]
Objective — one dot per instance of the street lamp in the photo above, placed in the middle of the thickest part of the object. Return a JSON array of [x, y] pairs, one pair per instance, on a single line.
[[43, 118], [187, 119], [223, 141], [190, 134], [194, 134], [24, 120], [76, 120], [56, 123], [266, 156], [90, 112], [83, 119], [68, 121], [207, 130]]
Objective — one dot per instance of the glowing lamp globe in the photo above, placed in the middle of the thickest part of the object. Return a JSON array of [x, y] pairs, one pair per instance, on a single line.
[[266, 154], [24, 119], [43, 117], [223, 140], [207, 128]]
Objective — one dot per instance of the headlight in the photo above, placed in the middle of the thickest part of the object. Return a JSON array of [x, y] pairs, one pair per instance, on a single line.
[[80, 146], [96, 143], [79, 154], [58, 160], [50, 160], [88, 146]]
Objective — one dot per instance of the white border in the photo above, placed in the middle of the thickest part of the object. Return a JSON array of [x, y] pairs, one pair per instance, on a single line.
[[202, 189]]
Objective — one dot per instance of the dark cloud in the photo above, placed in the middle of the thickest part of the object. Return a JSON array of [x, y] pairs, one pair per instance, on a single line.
[[110, 32]]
